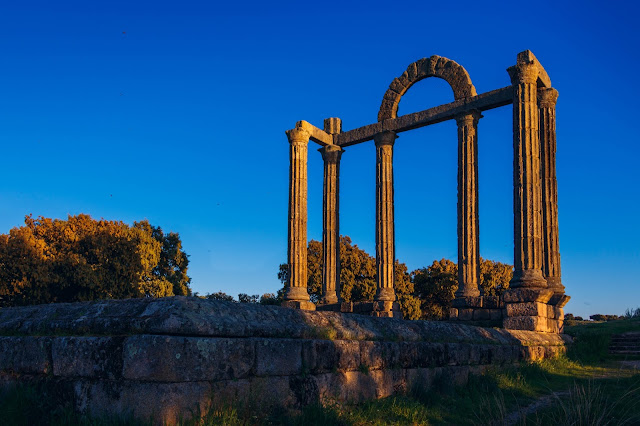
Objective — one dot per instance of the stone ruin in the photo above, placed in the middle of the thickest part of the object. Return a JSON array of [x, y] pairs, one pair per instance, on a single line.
[[169, 359], [536, 296]]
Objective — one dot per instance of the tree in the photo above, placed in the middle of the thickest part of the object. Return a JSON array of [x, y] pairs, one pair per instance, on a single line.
[[435, 287], [494, 277], [53, 260], [357, 276]]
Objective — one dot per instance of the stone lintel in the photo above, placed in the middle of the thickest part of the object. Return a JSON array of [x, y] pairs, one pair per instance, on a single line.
[[317, 135], [304, 305], [485, 101], [520, 295]]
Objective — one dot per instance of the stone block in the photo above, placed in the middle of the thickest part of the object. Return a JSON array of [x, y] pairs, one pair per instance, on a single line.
[[553, 325], [495, 314], [520, 295], [371, 355], [481, 314], [530, 323], [91, 357], [319, 356], [25, 355], [453, 313], [559, 300], [278, 357], [533, 309], [181, 359], [459, 353], [431, 354], [465, 314], [348, 354], [166, 403], [492, 302], [467, 302], [408, 354], [304, 305]]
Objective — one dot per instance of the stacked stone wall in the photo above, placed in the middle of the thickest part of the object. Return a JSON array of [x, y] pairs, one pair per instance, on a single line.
[[170, 358]]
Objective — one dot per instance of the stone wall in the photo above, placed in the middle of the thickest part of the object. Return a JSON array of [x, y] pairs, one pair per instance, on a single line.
[[172, 357]]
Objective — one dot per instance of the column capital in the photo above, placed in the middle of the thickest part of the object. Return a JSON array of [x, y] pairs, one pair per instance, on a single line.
[[547, 98], [298, 135], [469, 117], [523, 73], [387, 137], [331, 153]]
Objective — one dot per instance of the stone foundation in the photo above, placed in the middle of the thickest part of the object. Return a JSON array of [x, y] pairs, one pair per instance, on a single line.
[[376, 309], [481, 310], [534, 309], [173, 357]]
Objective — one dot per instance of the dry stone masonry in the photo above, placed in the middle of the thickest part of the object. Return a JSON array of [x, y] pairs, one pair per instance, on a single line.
[[536, 296], [170, 358]]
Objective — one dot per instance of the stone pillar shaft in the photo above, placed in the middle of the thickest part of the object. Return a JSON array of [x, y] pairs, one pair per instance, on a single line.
[[551, 248], [468, 223], [330, 224], [385, 234], [297, 247], [527, 184]]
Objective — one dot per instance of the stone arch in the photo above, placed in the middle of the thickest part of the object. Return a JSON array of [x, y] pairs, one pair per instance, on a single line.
[[434, 66]]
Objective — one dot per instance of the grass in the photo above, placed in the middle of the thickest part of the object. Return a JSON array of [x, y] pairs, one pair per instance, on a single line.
[[591, 339], [585, 387]]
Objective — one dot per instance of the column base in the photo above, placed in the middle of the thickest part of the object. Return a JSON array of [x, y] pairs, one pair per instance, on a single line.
[[303, 305], [385, 295], [534, 310], [484, 311], [529, 278], [298, 294]]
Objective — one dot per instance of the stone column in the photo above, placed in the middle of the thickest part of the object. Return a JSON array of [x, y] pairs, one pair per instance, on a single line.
[[385, 235], [297, 248], [527, 183], [550, 250], [330, 224], [468, 224]]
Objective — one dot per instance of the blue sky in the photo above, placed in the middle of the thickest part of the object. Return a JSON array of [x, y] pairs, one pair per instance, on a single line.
[[176, 112]]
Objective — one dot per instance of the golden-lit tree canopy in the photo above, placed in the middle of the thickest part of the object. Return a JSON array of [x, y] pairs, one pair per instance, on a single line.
[[53, 260], [436, 285]]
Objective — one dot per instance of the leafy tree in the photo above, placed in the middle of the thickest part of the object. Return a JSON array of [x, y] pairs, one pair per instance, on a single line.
[[246, 298], [53, 260], [494, 277], [173, 262], [435, 287], [220, 295]]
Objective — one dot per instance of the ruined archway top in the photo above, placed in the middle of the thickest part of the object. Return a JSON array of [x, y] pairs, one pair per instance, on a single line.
[[434, 66]]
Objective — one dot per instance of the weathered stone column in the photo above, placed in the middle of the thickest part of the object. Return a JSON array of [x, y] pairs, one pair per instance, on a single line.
[[385, 234], [551, 249], [330, 222], [468, 224], [296, 291], [527, 184]]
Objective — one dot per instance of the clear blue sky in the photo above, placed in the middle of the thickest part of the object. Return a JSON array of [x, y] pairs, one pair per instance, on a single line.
[[176, 112]]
